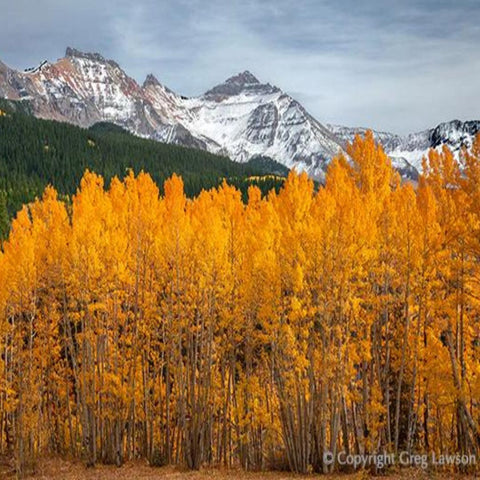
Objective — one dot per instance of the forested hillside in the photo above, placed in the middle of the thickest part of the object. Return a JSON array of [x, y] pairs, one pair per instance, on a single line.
[[266, 334], [34, 153]]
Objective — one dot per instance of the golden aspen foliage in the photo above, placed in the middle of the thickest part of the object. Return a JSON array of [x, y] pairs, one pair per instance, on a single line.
[[342, 317]]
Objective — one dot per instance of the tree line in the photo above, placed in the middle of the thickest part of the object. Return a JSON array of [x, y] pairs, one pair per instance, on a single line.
[[210, 331]]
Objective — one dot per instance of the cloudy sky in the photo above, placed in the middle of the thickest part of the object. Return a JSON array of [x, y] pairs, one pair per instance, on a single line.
[[398, 65]]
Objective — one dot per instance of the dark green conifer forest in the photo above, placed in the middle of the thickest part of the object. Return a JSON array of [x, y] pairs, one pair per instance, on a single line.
[[35, 153]]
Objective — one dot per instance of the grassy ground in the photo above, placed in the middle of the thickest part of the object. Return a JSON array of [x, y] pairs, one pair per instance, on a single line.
[[56, 469]]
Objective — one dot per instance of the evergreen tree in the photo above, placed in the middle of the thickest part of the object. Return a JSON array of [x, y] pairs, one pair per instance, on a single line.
[[4, 217]]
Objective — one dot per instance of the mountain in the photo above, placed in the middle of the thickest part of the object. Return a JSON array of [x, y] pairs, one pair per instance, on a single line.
[[408, 151], [247, 118], [85, 88], [241, 117]]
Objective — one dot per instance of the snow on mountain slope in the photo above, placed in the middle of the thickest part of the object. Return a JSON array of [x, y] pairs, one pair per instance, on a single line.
[[347, 134], [247, 118], [85, 88]]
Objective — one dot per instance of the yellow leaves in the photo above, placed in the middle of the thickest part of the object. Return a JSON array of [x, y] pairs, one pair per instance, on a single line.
[[254, 195], [294, 199], [296, 311], [96, 307], [373, 169], [175, 199]]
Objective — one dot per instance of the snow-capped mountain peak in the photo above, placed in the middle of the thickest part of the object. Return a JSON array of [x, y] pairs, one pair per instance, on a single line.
[[456, 134]]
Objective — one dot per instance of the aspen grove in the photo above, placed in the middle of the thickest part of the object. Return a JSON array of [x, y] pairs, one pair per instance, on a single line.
[[260, 334]]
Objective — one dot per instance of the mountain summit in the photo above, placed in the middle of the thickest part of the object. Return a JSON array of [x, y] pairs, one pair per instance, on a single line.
[[244, 82], [243, 78]]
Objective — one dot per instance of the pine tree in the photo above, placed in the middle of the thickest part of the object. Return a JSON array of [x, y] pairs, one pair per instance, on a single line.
[[4, 217]]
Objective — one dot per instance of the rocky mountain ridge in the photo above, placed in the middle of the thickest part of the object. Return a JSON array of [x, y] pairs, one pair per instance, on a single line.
[[241, 117]]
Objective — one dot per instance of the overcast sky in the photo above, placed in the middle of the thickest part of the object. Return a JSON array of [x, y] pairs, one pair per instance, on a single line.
[[401, 65]]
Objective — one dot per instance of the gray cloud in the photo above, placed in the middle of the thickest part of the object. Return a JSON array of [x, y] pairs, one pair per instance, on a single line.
[[391, 65]]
